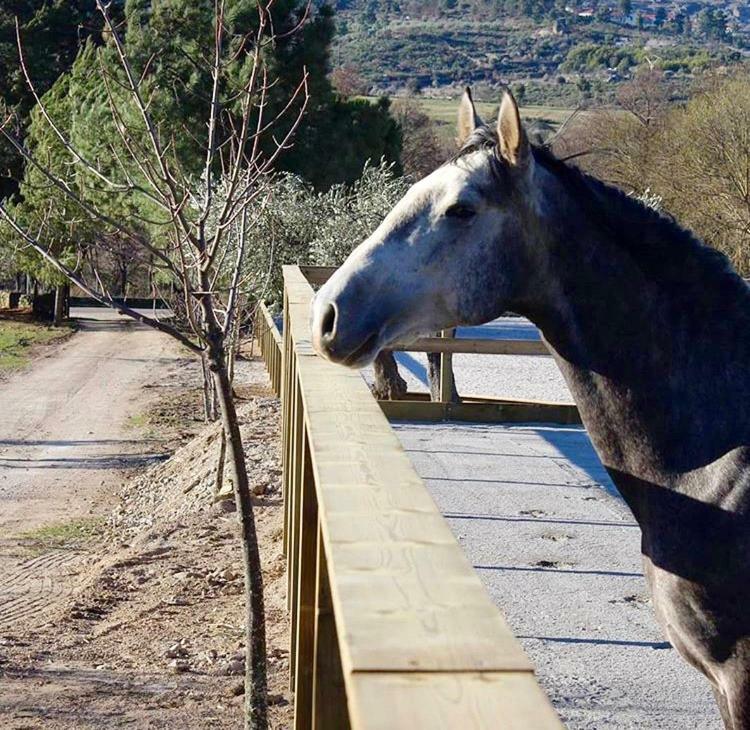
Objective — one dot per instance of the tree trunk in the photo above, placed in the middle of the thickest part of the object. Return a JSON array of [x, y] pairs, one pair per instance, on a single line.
[[256, 683], [59, 316], [389, 385], [220, 464], [233, 347], [124, 281], [209, 392]]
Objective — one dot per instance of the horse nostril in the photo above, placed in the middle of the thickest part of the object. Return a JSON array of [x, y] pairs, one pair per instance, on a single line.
[[328, 322]]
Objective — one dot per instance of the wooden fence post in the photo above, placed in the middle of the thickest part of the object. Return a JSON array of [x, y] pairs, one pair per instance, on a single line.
[[286, 364], [308, 567], [446, 371], [298, 430], [330, 709]]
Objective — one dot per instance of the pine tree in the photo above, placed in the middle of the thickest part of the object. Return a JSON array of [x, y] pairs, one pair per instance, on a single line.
[[52, 32]]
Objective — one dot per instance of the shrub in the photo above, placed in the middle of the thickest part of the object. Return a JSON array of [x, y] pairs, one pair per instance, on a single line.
[[299, 225]]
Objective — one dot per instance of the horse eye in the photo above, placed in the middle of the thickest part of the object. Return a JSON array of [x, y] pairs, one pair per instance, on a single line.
[[464, 212]]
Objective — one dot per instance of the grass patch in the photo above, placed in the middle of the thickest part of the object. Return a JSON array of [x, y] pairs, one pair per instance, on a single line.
[[18, 338], [62, 534], [138, 421], [445, 111]]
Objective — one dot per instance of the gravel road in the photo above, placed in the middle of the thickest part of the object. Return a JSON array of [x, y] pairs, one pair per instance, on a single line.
[[556, 547]]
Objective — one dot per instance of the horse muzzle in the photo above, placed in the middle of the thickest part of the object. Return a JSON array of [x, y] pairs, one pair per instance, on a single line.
[[341, 335]]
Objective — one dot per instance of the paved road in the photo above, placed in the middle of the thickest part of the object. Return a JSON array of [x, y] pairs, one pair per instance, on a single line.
[[558, 551], [64, 438]]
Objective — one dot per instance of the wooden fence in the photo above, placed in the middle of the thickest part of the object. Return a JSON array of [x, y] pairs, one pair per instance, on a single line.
[[269, 341], [391, 627]]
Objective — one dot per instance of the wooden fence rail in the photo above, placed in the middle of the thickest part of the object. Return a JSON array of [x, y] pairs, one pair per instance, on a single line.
[[269, 341], [391, 627]]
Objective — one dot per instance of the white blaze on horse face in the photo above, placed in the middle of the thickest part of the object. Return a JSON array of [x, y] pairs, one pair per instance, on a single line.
[[406, 278]]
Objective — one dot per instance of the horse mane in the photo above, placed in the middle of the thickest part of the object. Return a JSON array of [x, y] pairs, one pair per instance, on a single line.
[[665, 251]]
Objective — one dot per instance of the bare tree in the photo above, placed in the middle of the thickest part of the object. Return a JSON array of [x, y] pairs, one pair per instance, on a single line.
[[203, 236], [647, 97], [422, 149], [348, 81]]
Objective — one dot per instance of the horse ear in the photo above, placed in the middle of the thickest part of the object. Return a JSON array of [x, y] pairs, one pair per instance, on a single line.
[[468, 119], [512, 142]]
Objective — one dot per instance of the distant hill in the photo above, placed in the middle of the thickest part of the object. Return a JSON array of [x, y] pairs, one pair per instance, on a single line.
[[554, 51]]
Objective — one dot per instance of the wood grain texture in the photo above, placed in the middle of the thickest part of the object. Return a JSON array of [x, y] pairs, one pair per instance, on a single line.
[[467, 345], [330, 706], [482, 412], [446, 369], [470, 701], [307, 559]]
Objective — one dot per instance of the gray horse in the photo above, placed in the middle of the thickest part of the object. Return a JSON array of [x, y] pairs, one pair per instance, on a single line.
[[650, 328]]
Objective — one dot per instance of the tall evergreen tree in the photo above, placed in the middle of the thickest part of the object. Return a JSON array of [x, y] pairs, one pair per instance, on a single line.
[[167, 37], [52, 32]]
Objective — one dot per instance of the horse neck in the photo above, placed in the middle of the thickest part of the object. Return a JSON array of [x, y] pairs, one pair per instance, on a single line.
[[636, 314]]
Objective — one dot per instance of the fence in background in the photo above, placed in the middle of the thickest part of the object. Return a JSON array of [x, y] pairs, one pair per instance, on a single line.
[[390, 626], [269, 341]]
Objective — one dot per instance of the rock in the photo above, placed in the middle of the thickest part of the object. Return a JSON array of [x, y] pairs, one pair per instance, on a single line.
[[225, 506], [234, 667], [176, 651], [229, 575], [209, 657], [179, 666]]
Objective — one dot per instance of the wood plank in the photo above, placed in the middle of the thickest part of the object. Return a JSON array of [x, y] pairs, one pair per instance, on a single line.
[[298, 426], [308, 569], [317, 275], [330, 707], [285, 425], [446, 370], [468, 345], [410, 606], [268, 324], [438, 701]]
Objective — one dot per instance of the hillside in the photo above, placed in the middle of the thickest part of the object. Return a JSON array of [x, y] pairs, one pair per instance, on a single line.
[[554, 52]]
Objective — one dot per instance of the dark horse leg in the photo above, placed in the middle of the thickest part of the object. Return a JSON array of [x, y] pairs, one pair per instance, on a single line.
[[721, 701], [734, 696]]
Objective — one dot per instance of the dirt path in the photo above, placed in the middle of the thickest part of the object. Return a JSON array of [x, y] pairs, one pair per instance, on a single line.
[[64, 442], [133, 618]]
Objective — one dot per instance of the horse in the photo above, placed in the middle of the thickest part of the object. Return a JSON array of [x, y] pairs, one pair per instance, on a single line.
[[649, 326]]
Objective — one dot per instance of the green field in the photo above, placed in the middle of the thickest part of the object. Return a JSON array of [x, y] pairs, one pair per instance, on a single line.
[[445, 111], [18, 338]]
